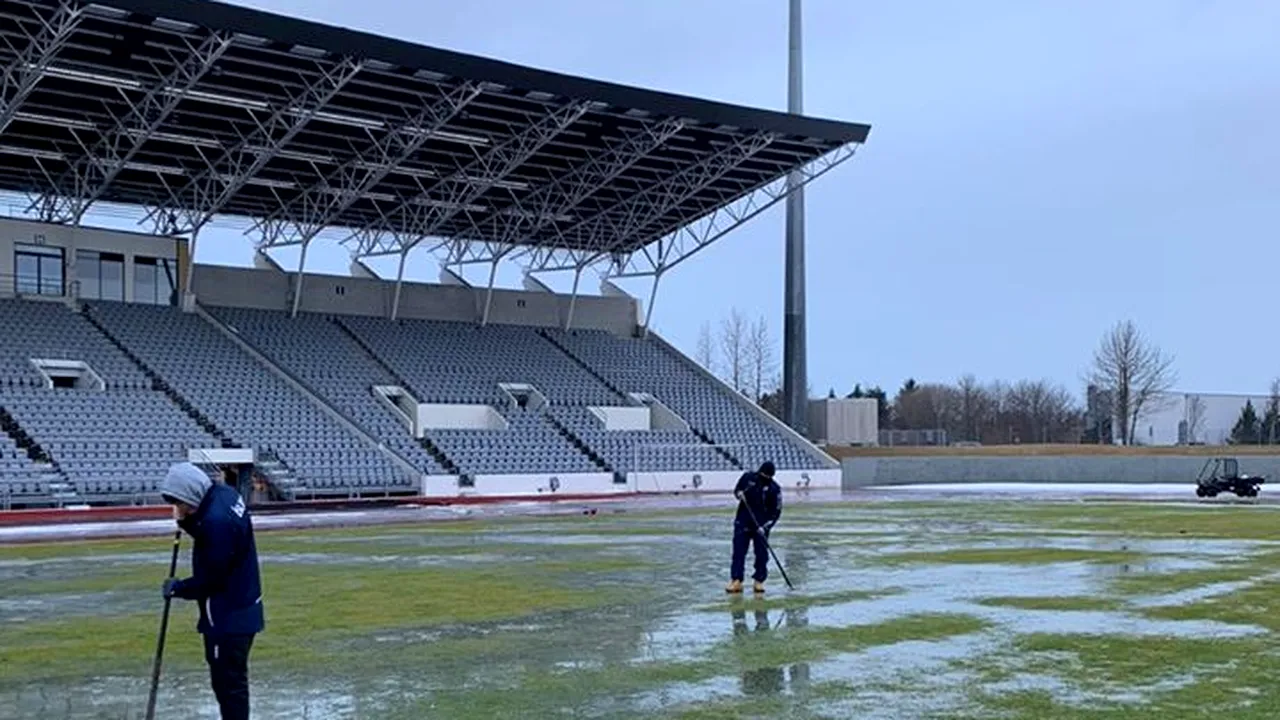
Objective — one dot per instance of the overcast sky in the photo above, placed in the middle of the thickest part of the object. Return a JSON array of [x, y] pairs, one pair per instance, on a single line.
[[1036, 171]]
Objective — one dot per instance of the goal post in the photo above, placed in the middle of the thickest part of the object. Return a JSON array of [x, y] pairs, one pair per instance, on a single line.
[[686, 467]]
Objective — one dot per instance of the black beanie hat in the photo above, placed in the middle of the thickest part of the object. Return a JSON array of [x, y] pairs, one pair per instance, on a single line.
[[767, 468]]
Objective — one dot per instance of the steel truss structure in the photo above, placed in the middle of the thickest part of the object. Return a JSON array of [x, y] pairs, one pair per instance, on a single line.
[[196, 110]]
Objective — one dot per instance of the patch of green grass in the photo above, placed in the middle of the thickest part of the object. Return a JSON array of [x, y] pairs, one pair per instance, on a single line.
[[1206, 677], [1159, 583], [308, 609], [1064, 603], [1132, 660], [1007, 556], [1255, 522], [1257, 604]]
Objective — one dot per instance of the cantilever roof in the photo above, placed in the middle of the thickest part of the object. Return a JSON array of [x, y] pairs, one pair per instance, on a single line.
[[194, 109]]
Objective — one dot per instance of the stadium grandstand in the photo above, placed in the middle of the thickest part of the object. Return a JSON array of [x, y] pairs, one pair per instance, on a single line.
[[120, 355]]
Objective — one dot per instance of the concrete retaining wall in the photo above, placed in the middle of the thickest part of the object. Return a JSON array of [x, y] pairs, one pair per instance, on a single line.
[[867, 471]]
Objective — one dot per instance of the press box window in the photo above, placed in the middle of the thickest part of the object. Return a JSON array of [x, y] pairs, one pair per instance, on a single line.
[[39, 270]]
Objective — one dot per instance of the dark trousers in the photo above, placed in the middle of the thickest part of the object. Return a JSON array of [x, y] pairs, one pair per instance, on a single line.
[[228, 659], [743, 536]]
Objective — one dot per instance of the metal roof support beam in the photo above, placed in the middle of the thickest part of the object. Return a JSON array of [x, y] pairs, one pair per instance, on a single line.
[[573, 298], [622, 224], [525, 217], [297, 284], [676, 247], [208, 192], [92, 173], [648, 310], [189, 292], [21, 77], [488, 296], [395, 298], [551, 259], [324, 202], [453, 194]]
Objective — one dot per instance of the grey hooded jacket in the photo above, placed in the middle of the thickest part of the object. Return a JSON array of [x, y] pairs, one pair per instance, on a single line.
[[185, 483]]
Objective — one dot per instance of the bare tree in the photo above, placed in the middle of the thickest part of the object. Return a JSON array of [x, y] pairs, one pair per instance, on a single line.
[[706, 350], [974, 405], [761, 357], [1042, 412], [733, 349], [1195, 418], [1137, 372]]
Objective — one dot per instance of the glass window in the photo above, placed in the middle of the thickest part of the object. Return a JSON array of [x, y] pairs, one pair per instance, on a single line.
[[144, 281], [39, 269], [28, 274], [112, 277], [88, 272], [51, 281]]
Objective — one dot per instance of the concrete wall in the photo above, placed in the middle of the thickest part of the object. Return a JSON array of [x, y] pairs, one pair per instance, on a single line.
[[530, 485], [270, 290], [1165, 468], [439, 416], [71, 239], [724, 481]]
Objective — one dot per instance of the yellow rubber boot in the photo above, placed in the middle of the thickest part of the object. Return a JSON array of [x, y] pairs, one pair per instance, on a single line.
[[734, 587]]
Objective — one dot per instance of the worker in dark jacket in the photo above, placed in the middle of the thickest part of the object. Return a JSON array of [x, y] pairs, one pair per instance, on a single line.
[[759, 501], [224, 579]]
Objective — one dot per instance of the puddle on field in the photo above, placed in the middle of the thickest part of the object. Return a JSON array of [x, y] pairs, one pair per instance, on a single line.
[[685, 563]]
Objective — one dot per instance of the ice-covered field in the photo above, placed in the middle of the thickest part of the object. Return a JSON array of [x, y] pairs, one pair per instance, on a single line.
[[908, 604]]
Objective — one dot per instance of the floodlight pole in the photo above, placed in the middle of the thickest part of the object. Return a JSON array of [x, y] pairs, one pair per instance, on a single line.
[[297, 286], [795, 385], [395, 298]]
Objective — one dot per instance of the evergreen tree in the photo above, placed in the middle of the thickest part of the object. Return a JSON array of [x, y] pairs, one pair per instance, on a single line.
[[1246, 428]]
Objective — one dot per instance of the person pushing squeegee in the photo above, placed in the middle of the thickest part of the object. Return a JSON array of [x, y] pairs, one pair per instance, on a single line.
[[759, 498]]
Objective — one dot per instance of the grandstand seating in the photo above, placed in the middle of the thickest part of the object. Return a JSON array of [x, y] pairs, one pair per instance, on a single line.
[[80, 431], [464, 363], [642, 450], [641, 365], [249, 403], [528, 445], [318, 353], [21, 480], [115, 443], [52, 331], [446, 362], [108, 444]]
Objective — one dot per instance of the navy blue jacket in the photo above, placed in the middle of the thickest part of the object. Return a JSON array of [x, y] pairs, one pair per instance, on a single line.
[[224, 565], [763, 496]]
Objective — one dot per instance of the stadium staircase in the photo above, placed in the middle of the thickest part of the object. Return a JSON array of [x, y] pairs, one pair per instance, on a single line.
[[282, 484], [582, 446], [159, 384], [701, 435], [305, 390], [61, 490], [439, 455], [436, 453]]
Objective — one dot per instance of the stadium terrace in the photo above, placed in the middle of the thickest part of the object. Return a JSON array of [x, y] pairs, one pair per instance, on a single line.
[[122, 355]]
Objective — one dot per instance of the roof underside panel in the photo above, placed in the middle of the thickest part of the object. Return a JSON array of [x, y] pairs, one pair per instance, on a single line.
[[196, 109]]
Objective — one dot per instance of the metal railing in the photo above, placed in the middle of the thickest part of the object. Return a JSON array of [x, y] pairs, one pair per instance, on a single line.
[[26, 287]]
